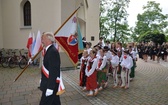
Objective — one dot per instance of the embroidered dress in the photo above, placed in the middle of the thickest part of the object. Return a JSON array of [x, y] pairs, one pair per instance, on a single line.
[[91, 74], [102, 65], [82, 72]]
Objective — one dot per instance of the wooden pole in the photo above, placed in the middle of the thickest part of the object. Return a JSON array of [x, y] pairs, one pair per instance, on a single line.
[[42, 48], [27, 65]]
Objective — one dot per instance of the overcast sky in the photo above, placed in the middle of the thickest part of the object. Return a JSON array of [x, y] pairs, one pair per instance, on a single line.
[[135, 7]]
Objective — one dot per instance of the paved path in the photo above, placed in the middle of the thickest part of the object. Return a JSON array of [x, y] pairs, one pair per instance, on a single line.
[[150, 87]]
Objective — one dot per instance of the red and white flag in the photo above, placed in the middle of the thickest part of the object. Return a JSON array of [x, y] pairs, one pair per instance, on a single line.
[[29, 44], [61, 88], [67, 39], [33, 44]]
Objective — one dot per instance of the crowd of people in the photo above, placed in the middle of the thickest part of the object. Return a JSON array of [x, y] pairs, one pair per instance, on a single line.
[[104, 59], [153, 51]]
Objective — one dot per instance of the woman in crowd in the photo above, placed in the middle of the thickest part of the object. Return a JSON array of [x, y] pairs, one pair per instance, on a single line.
[[91, 73], [102, 69], [145, 52], [126, 65], [82, 76], [114, 65]]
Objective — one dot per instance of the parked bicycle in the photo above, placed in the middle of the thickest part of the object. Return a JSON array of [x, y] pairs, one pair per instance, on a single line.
[[13, 60], [24, 59]]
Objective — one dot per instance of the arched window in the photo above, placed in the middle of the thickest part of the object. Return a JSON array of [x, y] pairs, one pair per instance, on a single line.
[[27, 13]]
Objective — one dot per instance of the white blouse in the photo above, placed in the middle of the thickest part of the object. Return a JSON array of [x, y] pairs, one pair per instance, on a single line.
[[93, 68], [134, 54], [127, 63], [115, 61], [104, 62], [82, 58]]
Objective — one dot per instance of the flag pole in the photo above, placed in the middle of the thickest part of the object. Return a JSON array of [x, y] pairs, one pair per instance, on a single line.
[[42, 48], [27, 65]]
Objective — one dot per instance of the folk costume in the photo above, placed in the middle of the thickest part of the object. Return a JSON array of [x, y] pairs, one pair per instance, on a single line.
[[108, 54], [91, 73], [134, 57], [83, 76], [114, 65], [120, 55], [102, 71], [126, 64]]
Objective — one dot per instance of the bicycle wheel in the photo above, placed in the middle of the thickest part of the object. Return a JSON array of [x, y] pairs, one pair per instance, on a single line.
[[11, 63], [22, 63], [4, 62]]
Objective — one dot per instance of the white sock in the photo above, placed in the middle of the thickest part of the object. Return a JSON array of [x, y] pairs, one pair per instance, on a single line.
[[100, 87], [90, 92], [96, 89]]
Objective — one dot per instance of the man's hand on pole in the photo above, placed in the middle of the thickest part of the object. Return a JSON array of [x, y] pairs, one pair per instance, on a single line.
[[30, 61]]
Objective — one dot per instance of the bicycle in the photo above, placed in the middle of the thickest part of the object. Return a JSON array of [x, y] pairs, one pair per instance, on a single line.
[[4, 58], [23, 61], [13, 60]]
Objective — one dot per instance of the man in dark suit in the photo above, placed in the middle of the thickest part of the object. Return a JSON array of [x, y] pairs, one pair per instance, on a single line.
[[50, 71]]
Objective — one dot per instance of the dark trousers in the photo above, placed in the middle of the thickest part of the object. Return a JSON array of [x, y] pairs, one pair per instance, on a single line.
[[119, 68], [50, 100]]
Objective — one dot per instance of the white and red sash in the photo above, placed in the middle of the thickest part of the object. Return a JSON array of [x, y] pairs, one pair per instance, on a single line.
[[61, 88]]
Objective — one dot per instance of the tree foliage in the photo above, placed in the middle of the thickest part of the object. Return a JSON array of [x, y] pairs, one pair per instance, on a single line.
[[103, 20], [155, 37], [151, 19], [113, 19]]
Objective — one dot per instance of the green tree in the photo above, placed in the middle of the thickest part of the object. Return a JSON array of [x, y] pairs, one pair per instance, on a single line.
[[151, 19], [166, 34], [133, 35], [114, 19], [103, 20], [155, 37]]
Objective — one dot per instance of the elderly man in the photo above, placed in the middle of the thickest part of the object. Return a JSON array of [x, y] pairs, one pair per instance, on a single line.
[[50, 71]]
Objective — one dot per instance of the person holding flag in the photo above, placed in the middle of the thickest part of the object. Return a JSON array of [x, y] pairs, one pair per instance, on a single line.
[[50, 71]]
